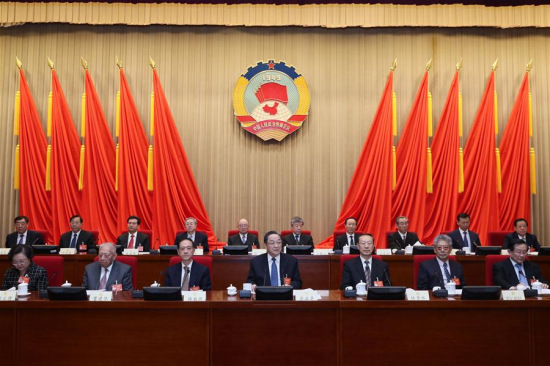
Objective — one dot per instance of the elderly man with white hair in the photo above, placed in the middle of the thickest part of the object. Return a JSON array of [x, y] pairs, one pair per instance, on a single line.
[[106, 272]]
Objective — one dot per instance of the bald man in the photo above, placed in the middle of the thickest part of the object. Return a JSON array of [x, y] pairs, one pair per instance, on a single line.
[[244, 237]]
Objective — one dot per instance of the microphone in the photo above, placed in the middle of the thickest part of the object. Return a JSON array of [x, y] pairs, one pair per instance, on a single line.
[[34, 242], [440, 279], [160, 276], [387, 277], [265, 275]]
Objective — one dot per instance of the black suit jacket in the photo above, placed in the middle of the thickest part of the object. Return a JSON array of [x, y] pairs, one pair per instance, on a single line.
[[33, 237], [429, 274], [458, 240], [355, 272], [304, 240], [342, 240], [200, 239], [251, 239], [85, 237], [140, 239], [200, 276], [259, 272], [504, 274], [532, 240], [395, 241]]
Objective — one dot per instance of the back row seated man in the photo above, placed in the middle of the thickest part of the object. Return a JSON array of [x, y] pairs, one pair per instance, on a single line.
[[297, 237], [244, 237], [133, 239], [21, 235], [197, 238]]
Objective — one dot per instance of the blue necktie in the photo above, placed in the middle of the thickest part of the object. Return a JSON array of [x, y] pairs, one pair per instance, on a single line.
[[297, 239], [447, 273], [274, 275], [73, 242], [21, 236], [466, 243], [522, 278]]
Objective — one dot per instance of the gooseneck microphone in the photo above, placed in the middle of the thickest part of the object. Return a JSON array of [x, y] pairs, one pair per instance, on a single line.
[[387, 277]]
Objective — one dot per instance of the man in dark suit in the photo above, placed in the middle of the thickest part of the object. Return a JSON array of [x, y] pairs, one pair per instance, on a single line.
[[463, 238], [274, 268], [402, 237], [198, 238], [440, 270], [104, 273], [189, 274], [358, 269], [520, 227], [77, 236], [350, 237], [133, 239], [21, 235], [516, 270], [244, 237], [297, 238]]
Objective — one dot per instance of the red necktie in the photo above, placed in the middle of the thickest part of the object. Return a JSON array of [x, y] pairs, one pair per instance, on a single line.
[[131, 244]]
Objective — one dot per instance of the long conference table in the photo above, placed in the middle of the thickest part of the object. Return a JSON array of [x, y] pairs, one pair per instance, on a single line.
[[317, 271], [232, 331]]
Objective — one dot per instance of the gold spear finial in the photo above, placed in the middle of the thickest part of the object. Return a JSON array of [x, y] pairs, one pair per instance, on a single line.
[[152, 62], [394, 65], [50, 63], [429, 65], [18, 63], [83, 63], [529, 65], [118, 62], [495, 65], [459, 65]]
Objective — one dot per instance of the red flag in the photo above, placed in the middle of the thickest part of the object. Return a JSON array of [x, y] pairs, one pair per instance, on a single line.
[[176, 195], [369, 194], [99, 198], [515, 199], [34, 201], [409, 196], [65, 162], [133, 196], [480, 197], [441, 206]]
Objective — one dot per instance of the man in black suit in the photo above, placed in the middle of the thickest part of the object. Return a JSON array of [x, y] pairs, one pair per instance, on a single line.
[[297, 238], [440, 270], [244, 237], [133, 239], [463, 238], [350, 237], [77, 236], [358, 269], [189, 274], [21, 235], [402, 237], [516, 270], [106, 272], [520, 227], [274, 268], [198, 238]]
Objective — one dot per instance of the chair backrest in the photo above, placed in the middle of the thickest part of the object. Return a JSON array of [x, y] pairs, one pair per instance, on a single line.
[[288, 232], [54, 268], [496, 238], [95, 235], [45, 235], [489, 261], [132, 262], [232, 232], [417, 259], [346, 257], [205, 260]]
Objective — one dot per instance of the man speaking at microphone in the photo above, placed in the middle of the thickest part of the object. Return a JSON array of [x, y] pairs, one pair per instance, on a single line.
[[189, 274], [274, 268], [440, 270]]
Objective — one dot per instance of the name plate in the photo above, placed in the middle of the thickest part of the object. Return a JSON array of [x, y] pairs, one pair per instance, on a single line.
[[193, 295], [258, 251], [67, 251], [383, 251], [199, 251], [322, 251], [513, 295], [8, 295], [101, 296], [422, 295], [130, 251], [4, 251]]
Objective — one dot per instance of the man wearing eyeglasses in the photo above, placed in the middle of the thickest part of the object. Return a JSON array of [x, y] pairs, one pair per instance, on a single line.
[[274, 268], [516, 270], [106, 272]]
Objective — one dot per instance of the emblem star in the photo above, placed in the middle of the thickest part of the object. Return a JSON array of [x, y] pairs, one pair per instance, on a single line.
[[271, 65]]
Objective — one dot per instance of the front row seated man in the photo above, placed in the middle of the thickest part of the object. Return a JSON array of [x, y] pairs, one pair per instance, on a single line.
[[104, 273], [271, 268], [516, 270], [440, 270], [188, 274], [364, 267]]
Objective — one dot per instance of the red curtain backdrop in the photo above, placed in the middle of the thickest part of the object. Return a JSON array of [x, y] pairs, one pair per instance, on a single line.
[[409, 196], [99, 198], [176, 195], [515, 199], [133, 196], [441, 206], [34, 201], [65, 163], [480, 197], [369, 194]]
